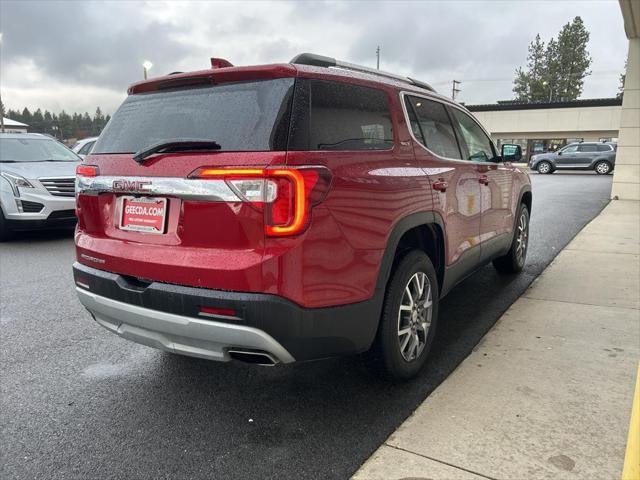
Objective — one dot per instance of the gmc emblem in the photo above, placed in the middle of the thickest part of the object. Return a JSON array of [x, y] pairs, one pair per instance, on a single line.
[[129, 185]]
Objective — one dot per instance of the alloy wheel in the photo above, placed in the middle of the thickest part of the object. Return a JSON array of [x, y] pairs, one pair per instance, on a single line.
[[414, 316], [522, 238], [602, 168], [544, 167]]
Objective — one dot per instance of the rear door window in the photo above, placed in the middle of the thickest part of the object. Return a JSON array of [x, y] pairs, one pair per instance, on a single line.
[[246, 116], [339, 116], [431, 125], [588, 148]]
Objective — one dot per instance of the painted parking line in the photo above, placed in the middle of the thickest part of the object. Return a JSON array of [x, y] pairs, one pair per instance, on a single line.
[[631, 469]]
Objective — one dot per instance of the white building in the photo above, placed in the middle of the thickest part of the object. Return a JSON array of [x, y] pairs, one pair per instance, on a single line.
[[547, 126], [11, 126]]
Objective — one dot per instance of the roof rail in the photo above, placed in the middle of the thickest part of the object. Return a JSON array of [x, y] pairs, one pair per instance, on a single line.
[[322, 61]]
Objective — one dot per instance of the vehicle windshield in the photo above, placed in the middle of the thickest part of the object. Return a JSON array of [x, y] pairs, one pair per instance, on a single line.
[[35, 150], [244, 116]]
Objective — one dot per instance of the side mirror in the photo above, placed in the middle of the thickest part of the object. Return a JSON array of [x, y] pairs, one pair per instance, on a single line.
[[511, 152], [560, 152]]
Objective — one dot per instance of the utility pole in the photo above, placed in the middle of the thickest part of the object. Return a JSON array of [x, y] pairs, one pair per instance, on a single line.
[[378, 58], [454, 89], [1, 116]]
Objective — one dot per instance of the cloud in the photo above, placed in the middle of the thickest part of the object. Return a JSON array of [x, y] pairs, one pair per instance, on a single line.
[[77, 55]]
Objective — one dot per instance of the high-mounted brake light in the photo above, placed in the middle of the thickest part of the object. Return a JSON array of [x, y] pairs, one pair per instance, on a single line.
[[87, 171], [286, 195], [220, 63]]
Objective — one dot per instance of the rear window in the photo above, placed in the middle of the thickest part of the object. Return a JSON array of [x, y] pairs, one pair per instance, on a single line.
[[247, 116], [340, 116]]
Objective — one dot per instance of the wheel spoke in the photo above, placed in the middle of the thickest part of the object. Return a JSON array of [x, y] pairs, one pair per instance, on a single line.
[[408, 291], [403, 345], [404, 331]]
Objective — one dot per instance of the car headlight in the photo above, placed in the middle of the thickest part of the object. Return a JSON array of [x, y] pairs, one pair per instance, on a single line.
[[16, 181]]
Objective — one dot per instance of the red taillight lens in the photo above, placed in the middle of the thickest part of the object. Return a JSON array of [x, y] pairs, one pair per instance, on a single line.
[[285, 194], [87, 171]]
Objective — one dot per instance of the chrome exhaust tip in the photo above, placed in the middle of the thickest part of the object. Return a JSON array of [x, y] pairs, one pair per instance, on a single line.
[[255, 357]]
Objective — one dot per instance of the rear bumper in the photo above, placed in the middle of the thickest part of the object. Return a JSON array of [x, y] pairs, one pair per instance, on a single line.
[[176, 333], [169, 317]]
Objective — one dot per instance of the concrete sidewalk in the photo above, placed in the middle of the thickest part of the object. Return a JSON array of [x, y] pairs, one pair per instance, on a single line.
[[548, 392]]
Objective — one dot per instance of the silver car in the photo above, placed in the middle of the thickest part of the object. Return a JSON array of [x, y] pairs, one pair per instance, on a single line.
[[37, 183], [83, 147]]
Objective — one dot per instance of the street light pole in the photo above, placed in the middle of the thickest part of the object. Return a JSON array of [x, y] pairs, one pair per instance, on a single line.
[[378, 58], [546, 84], [146, 67]]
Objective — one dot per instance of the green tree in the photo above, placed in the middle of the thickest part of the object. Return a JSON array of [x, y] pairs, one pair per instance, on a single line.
[[529, 85], [37, 122], [559, 73], [98, 122], [26, 116], [623, 76], [571, 59]]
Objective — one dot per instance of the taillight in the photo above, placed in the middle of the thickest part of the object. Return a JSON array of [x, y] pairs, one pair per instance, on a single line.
[[286, 195], [87, 171]]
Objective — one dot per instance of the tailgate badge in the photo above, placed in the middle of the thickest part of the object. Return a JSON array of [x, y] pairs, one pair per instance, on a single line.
[[130, 185]]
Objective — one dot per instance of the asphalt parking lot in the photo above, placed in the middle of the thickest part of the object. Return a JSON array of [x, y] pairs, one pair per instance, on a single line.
[[79, 402]]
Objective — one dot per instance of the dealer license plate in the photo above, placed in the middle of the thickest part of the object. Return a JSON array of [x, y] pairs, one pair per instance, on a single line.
[[143, 214]]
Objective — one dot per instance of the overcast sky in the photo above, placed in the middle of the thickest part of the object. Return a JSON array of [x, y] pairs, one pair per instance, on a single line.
[[81, 54]]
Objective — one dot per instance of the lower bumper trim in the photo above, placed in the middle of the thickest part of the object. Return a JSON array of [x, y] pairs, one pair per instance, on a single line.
[[179, 334]]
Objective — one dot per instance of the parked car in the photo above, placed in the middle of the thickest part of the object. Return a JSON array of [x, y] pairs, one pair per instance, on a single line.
[[83, 147], [37, 183], [600, 157], [291, 212]]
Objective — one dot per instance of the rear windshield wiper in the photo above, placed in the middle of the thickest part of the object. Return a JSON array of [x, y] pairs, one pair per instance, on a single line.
[[176, 145]]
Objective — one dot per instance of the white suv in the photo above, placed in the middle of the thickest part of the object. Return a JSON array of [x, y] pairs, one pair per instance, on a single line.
[[37, 183]]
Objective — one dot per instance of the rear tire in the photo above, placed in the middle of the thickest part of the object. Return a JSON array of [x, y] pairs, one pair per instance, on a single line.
[[544, 167], [514, 260], [5, 232], [409, 318], [602, 167]]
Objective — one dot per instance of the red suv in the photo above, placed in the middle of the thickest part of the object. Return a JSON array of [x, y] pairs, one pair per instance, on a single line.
[[290, 212]]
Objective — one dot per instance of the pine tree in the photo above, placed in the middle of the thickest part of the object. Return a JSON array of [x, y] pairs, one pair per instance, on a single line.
[[572, 60], [37, 122], [623, 76], [528, 86], [556, 72], [26, 116]]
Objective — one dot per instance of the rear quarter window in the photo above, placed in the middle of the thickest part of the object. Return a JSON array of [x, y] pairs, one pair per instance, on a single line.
[[331, 115], [604, 148]]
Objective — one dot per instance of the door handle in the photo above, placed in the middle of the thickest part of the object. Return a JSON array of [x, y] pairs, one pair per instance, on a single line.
[[440, 185], [483, 179]]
